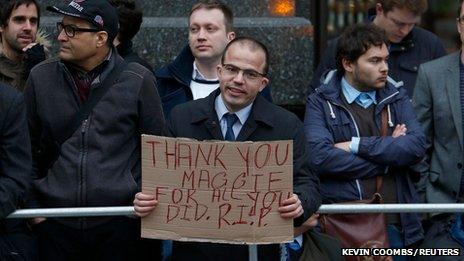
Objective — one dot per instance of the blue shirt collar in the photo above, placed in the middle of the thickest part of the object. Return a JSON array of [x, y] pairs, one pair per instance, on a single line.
[[351, 93], [221, 109]]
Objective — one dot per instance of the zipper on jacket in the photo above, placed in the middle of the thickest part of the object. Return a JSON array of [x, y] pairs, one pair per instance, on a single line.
[[82, 177], [358, 185]]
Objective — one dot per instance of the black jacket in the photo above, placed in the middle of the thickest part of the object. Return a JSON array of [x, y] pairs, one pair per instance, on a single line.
[[418, 47], [99, 165], [198, 119], [15, 165], [173, 81], [15, 150], [129, 55]]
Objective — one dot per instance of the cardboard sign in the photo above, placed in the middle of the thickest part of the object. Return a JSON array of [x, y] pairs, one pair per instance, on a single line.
[[217, 191]]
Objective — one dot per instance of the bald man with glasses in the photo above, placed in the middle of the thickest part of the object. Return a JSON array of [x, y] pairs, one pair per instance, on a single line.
[[236, 112]]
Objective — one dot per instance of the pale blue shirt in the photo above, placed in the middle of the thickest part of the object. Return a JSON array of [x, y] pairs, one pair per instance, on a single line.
[[197, 75], [351, 95], [242, 115]]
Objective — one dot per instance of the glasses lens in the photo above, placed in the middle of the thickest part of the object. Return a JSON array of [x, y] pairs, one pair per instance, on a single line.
[[231, 70], [251, 75], [69, 30]]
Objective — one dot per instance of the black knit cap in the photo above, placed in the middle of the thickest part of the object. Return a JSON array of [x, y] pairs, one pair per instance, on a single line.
[[99, 13]]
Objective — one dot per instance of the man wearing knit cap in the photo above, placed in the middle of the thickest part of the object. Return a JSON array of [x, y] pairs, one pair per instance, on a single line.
[[86, 111]]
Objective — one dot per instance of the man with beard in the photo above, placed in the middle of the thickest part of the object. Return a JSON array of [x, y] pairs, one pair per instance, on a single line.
[[19, 47], [343, 123]]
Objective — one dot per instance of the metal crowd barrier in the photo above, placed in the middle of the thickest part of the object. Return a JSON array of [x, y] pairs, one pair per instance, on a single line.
[[324, 209], [253, 252]]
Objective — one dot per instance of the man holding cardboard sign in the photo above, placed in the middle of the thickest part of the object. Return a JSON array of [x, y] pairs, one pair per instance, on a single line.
[[242, 75]]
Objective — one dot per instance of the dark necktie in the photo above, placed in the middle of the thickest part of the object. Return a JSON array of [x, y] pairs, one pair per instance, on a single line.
[[230, 119]]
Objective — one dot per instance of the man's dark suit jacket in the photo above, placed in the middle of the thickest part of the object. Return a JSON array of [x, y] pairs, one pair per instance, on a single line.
[[198, 119]]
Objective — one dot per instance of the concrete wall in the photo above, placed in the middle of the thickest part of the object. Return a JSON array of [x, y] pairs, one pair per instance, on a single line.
[[289, 39]]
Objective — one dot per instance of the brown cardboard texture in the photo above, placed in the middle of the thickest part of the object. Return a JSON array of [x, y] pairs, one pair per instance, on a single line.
[[217, 191]]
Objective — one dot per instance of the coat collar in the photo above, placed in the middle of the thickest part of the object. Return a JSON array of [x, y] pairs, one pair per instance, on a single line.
[[331, 89], [181, 68], [259, 116]]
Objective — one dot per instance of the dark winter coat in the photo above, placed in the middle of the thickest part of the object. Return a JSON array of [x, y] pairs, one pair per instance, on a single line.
[[328, 122]]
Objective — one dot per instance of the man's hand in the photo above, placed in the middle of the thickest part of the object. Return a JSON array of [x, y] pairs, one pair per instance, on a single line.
[[36, 221], [144, 204], [400, 130], [29, 46], [291, 207], [34, 54], [307, 225], [343, 146]]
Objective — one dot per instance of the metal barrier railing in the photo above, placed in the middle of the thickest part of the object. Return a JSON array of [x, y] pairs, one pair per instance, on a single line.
[[253, 252], [324, 209]]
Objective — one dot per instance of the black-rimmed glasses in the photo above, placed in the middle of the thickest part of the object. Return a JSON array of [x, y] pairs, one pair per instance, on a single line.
[[71, 30], [249, 75]]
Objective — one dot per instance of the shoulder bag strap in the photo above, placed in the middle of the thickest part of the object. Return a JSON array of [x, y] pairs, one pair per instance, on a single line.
[[87, 107], [383, 133]]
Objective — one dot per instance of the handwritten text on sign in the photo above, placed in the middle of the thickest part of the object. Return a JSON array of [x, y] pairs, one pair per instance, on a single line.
[[217, 191]]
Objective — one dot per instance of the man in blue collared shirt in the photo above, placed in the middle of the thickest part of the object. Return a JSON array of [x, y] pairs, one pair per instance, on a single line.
[[343, 122], [236, 112]]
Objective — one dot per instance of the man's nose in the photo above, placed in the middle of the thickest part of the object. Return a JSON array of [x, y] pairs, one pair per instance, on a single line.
[[406, 29], [62, 36], [384, 66], [239, 77], [202, 33], [27, 25]]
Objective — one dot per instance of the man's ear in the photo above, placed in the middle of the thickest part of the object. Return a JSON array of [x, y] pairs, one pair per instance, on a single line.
[[102, 38], [230, 36], [347, 65], [264, 83]]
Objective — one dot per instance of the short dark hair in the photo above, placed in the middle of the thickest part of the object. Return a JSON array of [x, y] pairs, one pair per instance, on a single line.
[[7, 7], [459, 8], [130, 18], [212, 4], [417, 7], [357, 40], [254, 45]]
